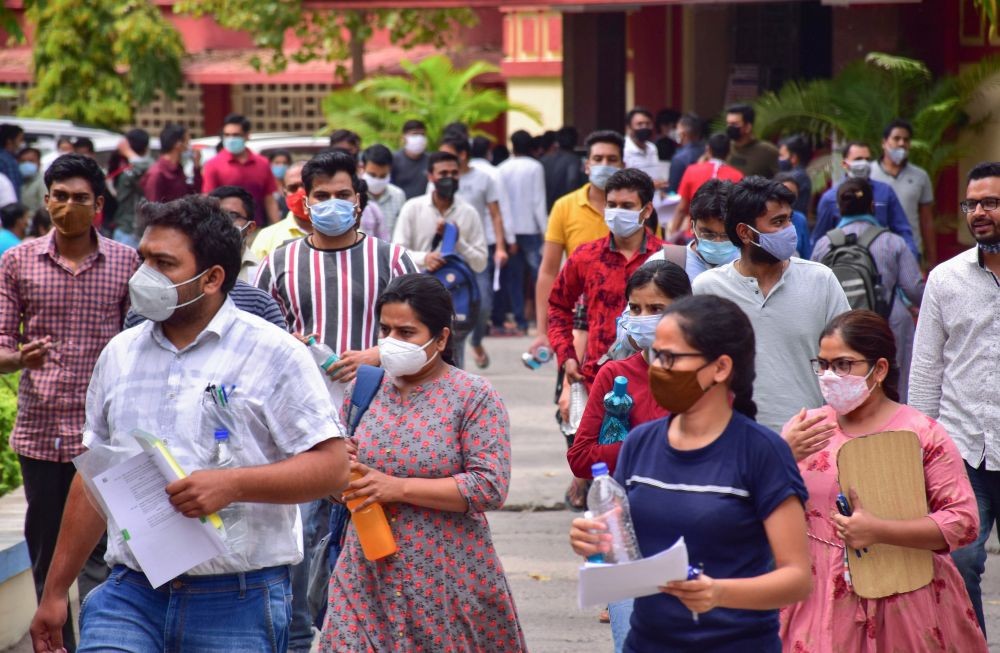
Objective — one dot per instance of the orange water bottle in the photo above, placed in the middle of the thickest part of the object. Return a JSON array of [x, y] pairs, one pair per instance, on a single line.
[[373, 529]]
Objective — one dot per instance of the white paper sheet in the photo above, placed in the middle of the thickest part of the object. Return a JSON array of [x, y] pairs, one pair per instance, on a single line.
[[601, 584], [164, 542]]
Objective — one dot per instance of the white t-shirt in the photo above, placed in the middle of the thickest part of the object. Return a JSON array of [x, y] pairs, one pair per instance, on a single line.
[[7, 193]]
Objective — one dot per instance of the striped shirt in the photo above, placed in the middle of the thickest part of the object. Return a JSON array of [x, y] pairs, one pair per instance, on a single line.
[[82, 309], [333, 292], [247, 298]]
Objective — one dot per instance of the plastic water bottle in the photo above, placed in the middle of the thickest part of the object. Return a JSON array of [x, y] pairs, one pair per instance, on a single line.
[[372, 527], [222, 458], [323, 355], [534, 361], [609, 503], [617, 406], [577, 403]]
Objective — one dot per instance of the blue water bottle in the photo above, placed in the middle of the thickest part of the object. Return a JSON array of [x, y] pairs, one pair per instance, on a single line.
[[617, 406]]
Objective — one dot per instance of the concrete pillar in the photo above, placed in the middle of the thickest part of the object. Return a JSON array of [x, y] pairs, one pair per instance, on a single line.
[[594, 71]]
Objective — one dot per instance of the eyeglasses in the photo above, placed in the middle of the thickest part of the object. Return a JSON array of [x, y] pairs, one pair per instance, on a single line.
[[840, 366], [988, 204], [667, 358], [711, 237]]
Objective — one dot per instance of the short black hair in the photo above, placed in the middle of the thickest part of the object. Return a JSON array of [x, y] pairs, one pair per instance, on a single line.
[[984, 170], [71, 165], [669, 278], [430, 302], [850, 144], [439, 157], [568, 137], [410, 125], [171, 135], [520, 141], [606, 136], [329, 163], [897, 123], [40, 220], [718, 146], [237, 119], [637, 111], [745, 110], [710, 199], [345, 136], [784, 177], [8, 132], [378, 154], [83, 142], [692, 124], [460, 145], [456, 130], [631, 179], [667, 117], [798, 145], [214, 239], [274, 154], [547, 139], [11, 213], [138, 140], [499, 154], [225, 192], [748, 200], [854, 197], [25, 150], [480, 147]]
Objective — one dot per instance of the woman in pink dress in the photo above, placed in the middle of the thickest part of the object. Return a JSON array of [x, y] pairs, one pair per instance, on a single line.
[[858, 376]]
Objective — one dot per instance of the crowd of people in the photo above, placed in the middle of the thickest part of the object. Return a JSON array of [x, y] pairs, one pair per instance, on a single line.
[[758, 332]]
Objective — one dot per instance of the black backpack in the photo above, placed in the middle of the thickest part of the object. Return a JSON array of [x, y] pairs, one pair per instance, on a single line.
[[460, 280], [852, 263]]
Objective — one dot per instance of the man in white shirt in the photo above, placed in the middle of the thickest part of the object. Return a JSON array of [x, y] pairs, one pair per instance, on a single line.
[[524, 178], [640, 152], [287, 443], [377, 162], [956, 362]]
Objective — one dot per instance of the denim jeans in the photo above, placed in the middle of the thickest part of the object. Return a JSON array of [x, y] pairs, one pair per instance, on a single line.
[[971, 559], [315, 521], [131, 240], [231, 612], [485, 279], [521, 270], [621, 615]]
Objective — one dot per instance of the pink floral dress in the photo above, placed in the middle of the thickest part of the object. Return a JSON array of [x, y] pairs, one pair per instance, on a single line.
[[937, 617], [445, 589]]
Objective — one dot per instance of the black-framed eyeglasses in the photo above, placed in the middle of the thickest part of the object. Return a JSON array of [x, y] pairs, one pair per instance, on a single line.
[[667, 358], [988, 204], [840, 366]]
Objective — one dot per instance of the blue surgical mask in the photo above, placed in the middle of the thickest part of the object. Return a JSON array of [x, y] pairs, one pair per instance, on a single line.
[[599, 175], [780, 244], [333, 217], [898, 154], [623, 222], [642, 329], [279, 170], [28, 169], [234, 144], [717, 253]]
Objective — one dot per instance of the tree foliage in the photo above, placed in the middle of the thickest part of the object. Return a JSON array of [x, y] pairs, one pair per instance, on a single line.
[[432, 91], [96, 61], [334, 36], [10, 470], [990, 14], [863, 98]]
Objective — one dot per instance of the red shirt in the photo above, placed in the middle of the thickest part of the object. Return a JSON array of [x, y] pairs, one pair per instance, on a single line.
[[165, 181], [697, 174], [585, 450], [598, 271], [253, 175]]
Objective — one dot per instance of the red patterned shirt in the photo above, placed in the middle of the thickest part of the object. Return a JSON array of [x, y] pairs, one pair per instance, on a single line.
[[41, 295], [598, 271]]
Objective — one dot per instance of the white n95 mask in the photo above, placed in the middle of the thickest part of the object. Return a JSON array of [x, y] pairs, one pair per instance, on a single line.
[[154, 296], [401, 358]]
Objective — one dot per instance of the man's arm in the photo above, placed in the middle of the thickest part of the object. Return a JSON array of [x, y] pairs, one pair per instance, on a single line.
[[471, 239], [540, 214], [500, 256], [826, 217], [927, 368], [547, 272], [565, 292], [928, 234], [898, 222]]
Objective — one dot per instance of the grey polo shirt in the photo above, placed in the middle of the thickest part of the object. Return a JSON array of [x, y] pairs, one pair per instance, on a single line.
[[787, 324], [913, 188]]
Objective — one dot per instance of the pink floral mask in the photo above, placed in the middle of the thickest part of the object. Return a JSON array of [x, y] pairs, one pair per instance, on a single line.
[[844, 393]]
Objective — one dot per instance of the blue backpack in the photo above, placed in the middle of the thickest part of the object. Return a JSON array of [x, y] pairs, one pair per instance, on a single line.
[[460, 280]]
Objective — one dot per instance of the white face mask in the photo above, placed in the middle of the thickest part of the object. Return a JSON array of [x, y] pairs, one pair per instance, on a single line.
[[415, 144], [376, 185], [622, 222], [401, 358], [844, 393], [154, 296]]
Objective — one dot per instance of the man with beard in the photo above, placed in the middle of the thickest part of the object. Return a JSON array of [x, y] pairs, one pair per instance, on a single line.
[[788, 300], [953, 377]]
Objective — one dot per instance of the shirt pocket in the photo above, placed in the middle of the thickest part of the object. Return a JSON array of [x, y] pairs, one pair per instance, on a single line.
[[239, 419]]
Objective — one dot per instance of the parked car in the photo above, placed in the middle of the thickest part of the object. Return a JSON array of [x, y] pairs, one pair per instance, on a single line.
[[302, 146], [43, 133]]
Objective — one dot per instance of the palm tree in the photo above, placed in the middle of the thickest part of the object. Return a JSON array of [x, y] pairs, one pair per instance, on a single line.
[[432, 91]]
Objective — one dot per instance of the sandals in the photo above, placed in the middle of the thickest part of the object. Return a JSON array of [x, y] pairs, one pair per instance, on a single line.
[[576, 495], [482, 361]]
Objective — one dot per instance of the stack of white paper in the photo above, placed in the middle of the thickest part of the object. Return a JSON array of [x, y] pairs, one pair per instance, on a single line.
[[601, 584]]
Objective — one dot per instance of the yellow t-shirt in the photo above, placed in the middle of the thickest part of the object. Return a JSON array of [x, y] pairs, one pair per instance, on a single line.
[[573, 221], [270, 238]]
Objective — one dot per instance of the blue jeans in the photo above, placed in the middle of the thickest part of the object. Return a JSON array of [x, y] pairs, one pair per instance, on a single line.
[[231, 612], [485, 279], [971, 559], [131, 240], [315, 520], [621, 614], [522, 270]]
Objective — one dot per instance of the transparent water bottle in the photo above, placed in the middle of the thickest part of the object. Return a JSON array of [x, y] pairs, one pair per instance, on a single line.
[[617, 406], [577, 403], [609, 503], [323, 355], [222, 458]]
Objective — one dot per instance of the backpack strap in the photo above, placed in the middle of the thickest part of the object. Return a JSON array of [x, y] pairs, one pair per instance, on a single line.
[[837, 237], [449, 240], [676, 254], [366, 386], [869, 235]]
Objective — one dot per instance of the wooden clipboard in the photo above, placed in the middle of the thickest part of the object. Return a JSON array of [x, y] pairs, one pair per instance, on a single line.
[[887, 471]]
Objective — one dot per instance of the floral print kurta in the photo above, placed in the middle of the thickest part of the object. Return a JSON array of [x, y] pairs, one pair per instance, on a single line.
[[936, 617], [445, 589]]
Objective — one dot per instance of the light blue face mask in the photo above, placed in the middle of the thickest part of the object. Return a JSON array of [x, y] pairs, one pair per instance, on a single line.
[[234, 144], [642, 329], [717, 253], [279, 170], [779, 244], [28, 169], [599, 175], [333, 217]]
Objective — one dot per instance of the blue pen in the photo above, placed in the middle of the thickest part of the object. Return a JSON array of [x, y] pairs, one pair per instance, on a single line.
[[694, 573]]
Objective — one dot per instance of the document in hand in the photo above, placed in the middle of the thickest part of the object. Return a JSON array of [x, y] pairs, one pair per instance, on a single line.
[[601, 584], [164, 542]]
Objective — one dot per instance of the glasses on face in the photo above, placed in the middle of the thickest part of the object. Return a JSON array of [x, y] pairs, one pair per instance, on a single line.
[[840, 366], [667, 358], [710, 236], [988, 204]]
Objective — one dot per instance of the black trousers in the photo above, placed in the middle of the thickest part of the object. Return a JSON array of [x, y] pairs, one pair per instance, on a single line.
[[46, 486]]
